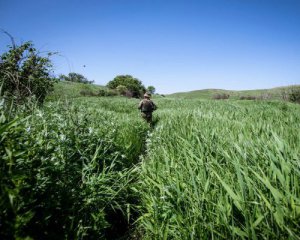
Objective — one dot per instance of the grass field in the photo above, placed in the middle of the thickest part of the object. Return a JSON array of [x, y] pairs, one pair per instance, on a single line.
[[219, 170], [92, 169]]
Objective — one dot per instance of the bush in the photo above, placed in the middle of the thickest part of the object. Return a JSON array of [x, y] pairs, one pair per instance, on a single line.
[[107, 93], [294, 95], [111, 93], [247, 98], [265, 96], [24, 73], [131, 84], [221, 96], [101, 93], [87, 92]]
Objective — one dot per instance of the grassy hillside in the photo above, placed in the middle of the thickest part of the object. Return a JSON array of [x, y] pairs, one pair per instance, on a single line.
[[72, 90], [274, 93]]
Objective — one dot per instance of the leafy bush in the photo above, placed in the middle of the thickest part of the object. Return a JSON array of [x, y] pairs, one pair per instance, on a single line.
[[294, 95], [24, 73], [221, 96], [87, 92], [247, 98], [101, 92], [151, 89], [132, 84], [107, 93]]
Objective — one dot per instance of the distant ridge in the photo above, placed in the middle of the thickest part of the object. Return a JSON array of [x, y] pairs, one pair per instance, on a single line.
[[272, 93]]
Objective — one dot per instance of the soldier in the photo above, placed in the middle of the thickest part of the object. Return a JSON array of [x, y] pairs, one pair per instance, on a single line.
[[147, 106]]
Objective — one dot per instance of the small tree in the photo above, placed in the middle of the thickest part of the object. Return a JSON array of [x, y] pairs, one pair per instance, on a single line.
[[151, 89], [132, 84], [24, 73]]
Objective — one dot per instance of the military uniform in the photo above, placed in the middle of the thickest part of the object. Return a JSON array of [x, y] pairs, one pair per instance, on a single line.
[[147, 107]]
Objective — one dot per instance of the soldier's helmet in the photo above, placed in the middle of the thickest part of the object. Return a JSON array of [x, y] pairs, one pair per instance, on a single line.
[[147, 95]]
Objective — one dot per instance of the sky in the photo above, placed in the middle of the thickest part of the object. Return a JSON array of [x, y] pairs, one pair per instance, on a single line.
[[175, 46]]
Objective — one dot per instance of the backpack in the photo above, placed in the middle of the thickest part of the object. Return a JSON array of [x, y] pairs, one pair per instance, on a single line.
[[148, 106]]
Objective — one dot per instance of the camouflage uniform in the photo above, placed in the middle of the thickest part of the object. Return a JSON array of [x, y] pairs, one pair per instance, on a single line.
[[147, 107]]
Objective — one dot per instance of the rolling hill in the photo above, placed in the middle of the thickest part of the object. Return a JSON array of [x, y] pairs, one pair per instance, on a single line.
[[273, 93], [73, 90]]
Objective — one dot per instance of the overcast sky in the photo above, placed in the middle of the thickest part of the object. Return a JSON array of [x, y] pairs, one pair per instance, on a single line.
[[173, 45]]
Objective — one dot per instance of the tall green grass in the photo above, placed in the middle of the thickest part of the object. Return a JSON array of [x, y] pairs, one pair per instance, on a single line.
[[91, 168], [66, 169], [217, 170]]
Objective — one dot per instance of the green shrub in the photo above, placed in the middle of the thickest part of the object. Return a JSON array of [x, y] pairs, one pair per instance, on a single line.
[[248, 98], [294, 95], [132, 85], [221, 96], [87, 93], [24, 73], [107, 93]]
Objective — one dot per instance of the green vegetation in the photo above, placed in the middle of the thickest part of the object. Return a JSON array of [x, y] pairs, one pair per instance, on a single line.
[[151, 89], [75, 77], [265, 94], [68, 90], [294, 95], [219, 170], [91, 168], [66, 169], [127, 86], [25, 73]]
